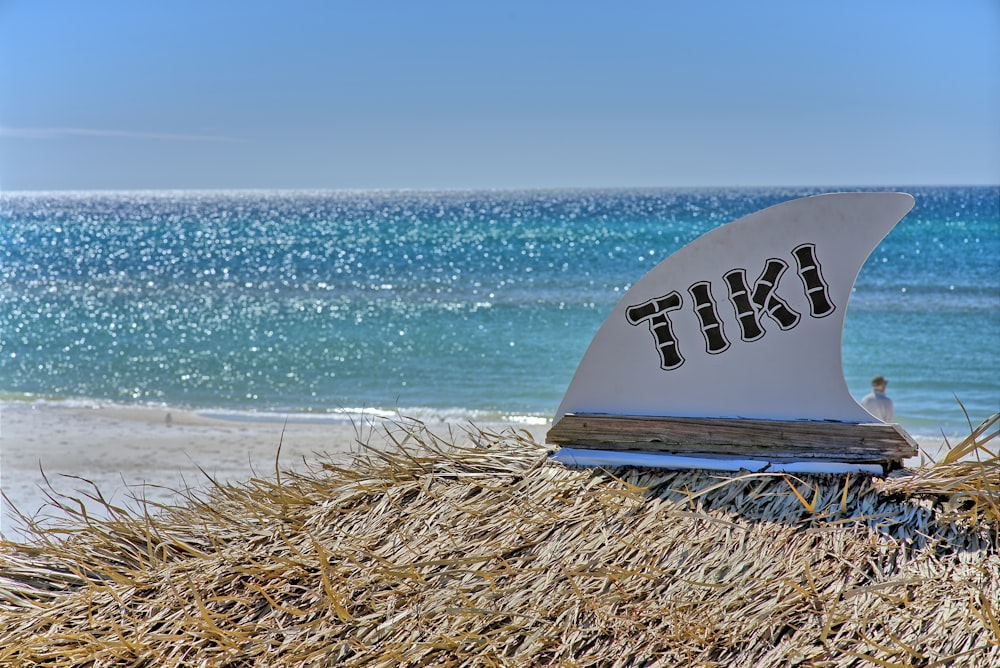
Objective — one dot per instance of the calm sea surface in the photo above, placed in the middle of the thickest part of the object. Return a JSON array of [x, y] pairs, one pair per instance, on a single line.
[[467, 304]]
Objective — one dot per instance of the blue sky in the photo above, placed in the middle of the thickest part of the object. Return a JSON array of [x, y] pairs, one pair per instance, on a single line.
[[377, 94]]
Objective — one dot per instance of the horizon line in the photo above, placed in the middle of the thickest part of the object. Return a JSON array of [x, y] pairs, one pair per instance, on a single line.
[[448, 189]]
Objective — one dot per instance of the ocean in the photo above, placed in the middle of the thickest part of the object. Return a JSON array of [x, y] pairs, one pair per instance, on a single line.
[[456, 304]]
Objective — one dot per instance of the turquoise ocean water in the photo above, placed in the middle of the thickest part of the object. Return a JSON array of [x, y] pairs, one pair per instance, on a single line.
[[458, 304]]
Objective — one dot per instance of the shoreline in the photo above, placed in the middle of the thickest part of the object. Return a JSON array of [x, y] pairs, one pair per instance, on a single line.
[[150, 452]]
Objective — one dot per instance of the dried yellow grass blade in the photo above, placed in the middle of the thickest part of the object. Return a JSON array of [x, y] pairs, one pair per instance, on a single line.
[[476, 550], [810, 506], [975, 442]]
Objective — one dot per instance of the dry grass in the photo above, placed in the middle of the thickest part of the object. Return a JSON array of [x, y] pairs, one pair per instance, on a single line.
[[475, 550]]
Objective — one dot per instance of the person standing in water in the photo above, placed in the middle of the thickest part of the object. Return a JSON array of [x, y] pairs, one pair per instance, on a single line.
[[877, 403]]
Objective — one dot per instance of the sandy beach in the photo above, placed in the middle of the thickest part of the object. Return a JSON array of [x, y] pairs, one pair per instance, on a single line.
[[150, 452]]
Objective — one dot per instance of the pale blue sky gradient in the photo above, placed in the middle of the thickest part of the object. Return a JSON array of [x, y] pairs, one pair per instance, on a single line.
[[377, 94]]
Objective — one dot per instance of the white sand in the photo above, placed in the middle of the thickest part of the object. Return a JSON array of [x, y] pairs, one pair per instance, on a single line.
[[141, 452]]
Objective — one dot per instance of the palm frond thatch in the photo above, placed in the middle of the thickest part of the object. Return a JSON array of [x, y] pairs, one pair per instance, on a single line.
[[478, 551]]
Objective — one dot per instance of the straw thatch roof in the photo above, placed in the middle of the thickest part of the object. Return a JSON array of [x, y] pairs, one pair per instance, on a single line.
[[478, 551]]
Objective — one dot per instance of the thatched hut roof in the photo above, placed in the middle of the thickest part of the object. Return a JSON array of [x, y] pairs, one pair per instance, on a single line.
[[479, 551]]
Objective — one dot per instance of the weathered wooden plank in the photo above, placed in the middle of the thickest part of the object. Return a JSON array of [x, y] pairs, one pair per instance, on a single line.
[[772, 439]]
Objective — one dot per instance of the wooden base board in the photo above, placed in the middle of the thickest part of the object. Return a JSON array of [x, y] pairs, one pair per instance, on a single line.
[[771, 440]]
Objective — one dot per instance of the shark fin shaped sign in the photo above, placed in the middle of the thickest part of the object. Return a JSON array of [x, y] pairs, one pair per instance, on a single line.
[[744, 323]]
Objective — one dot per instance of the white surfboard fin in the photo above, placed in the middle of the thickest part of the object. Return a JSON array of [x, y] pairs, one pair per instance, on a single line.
[[740, 327]]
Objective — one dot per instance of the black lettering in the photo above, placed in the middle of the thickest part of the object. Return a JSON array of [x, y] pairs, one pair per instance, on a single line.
[[739, 295], [711, 326], [655, 313], [752, 304], [811, 273], [766, 301]]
